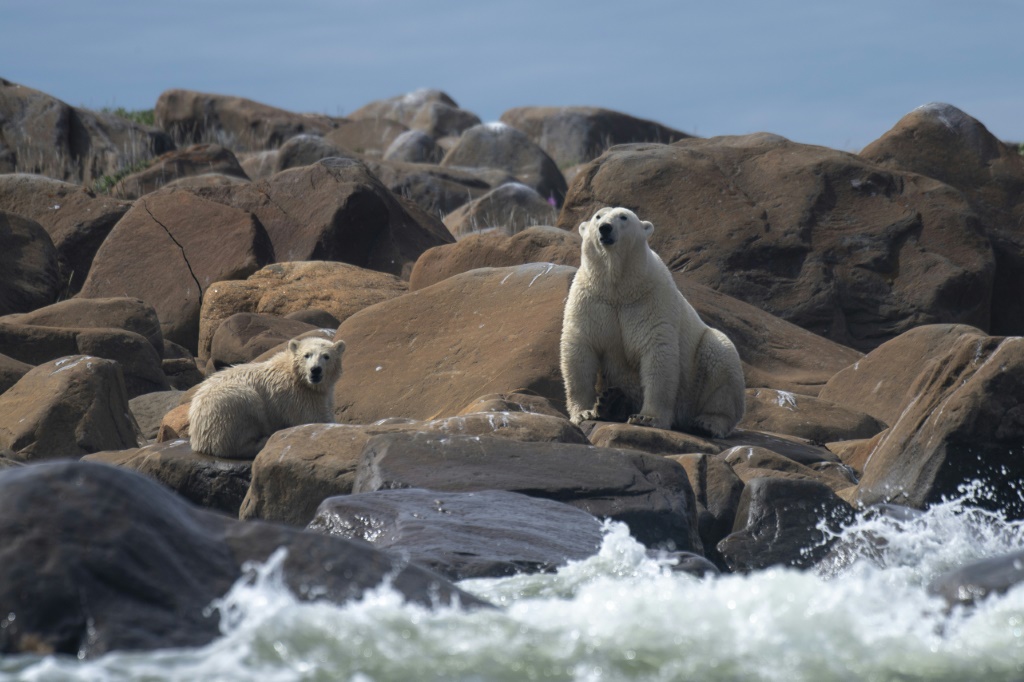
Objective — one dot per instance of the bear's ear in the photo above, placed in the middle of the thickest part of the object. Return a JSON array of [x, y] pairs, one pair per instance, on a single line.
[[583, 228], [293, 345], [339, 346], [648, 228]]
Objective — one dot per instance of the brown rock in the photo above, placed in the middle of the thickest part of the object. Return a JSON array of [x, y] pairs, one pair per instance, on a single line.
[[11, 371], [194, 182], [855, 453], [47, 137], [414, 146], [942, 142], [402, 108], [842, 247], [654, 441], [440, 119], [539, 244], [149, 410], [235, 122], [174, 425], [245, 336], [304, 150], [207, 481], [67, 408], [368, 137], [431, 352], [512, 402], [198, 159], [878, 383], [28, 265], [510, 208], [807, 417], [165, 252], [76, 219], [496, 145], [435, 189], [755, 462], [336, 210], [718, 490], [574, 135], [963, 423], [280, 289]]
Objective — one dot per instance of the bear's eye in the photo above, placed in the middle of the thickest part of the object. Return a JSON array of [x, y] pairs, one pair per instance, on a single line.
[[327, 357], [309, 355], [622, 217]]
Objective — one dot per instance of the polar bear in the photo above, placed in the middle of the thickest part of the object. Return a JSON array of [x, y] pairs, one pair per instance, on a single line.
[[629, 330], [236, 410]]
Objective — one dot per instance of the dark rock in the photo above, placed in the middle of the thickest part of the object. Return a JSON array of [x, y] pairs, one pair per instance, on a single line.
[[245, 336], [435, 189], [648, 493], [489, 533], [718, 490], [304, 150], [510, 208], [756, 462], [402, 108], [440, 119], [149, 410], [95, 559], [414, 146], [777, 524], [29, 276], [970, 584], [11, 371]]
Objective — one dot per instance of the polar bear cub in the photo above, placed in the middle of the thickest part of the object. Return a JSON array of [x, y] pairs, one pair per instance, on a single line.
[[236, 410], [628, 329]]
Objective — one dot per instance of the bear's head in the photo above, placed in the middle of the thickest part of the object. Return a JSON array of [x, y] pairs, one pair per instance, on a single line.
[[317, 362], [614, 229]]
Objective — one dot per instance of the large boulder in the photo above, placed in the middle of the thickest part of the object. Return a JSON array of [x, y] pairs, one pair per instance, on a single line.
[[95, 559], [303, 150], [845, 248], [243, 337], [67, 408], [650, 494], [496, 145], [234, 122], [77, 219], [435, 189], [510, 208], [807, 417], [489, 533], [368, 137], [11, 371], [402, 108], [282, 289], [574, 135], [48, 137], [963, 424], [414, 146], [943, 142], [336, 210], [29, 275], [198, 159], [169, 248]]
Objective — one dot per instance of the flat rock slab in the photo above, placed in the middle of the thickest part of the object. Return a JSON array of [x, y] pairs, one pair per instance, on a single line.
[[651, 494], [489, 533]]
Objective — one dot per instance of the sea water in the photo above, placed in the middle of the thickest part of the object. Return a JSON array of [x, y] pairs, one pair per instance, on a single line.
[[623, 615]]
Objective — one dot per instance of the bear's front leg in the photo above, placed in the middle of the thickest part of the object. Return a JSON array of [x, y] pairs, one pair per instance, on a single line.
[[659, 379], [579, 363]]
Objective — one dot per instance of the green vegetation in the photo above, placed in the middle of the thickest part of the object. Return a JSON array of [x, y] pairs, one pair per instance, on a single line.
[[107, 182], [141, 116]]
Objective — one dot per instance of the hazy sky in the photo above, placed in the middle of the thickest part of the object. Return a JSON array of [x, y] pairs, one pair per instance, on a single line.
[[815, 71]]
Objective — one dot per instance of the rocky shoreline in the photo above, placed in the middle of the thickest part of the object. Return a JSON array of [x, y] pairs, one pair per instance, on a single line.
[[873, 298]]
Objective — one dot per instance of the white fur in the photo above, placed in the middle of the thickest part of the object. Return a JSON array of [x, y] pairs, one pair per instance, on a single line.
[[234, 411], [627, 326]]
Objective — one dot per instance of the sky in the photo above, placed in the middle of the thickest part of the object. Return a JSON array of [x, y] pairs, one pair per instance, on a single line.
[[838, 74]]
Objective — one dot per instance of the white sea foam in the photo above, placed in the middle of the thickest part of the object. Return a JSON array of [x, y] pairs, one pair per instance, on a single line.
[[622, 615]]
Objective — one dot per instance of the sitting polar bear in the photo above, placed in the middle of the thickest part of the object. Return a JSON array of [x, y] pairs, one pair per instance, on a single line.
[[236, 410], [628, 327]]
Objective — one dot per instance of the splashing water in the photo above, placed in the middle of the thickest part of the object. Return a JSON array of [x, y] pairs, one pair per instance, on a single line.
[[865, 614]]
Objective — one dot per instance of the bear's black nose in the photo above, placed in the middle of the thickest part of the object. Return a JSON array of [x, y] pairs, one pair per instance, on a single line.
[[315, 373], [604, 229]]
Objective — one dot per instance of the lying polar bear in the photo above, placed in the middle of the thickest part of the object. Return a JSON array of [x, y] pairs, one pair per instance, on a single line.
[[627, 327], [236, 410]]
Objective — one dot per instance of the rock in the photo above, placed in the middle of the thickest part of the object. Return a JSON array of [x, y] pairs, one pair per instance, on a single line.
[[149, 410], [512, 402], [490, 533], [777, 524], [440, 119], [258, 165], [574, 135], [140, 364], [414, 146], [303, 465], [46, 136], [174, 425], [235, 122], [717, 489], [943, 142], [807, 417], [193, 182], [510, 208], [198, 159], [11, 371], [964, 423], [970, 584], [429, 353], [164, 252], [878, 383], [651, 440], [336, 210], [281, 289], [29, 276], [212, 482], [243, 337], [402, 108], [496, 249], [824, 239], [650, 494], [750, 462], [98, 559], [129, 314], [855, 453], [76, 219], [304, 150], [496, 145], [437, 190], [367, 137], [68, 408], [316, 317]]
